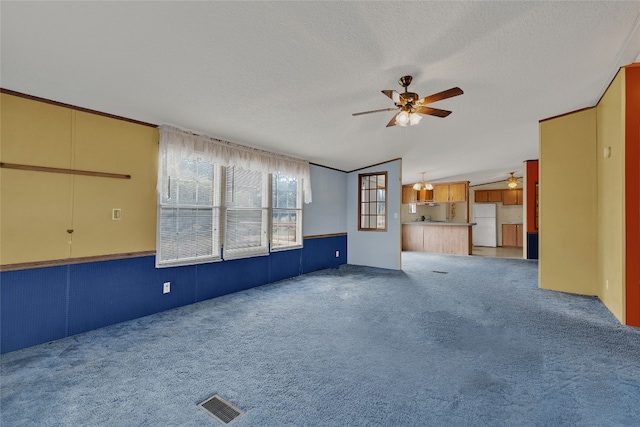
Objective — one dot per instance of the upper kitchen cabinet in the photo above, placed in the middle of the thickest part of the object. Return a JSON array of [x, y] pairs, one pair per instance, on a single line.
[[512, 197], [425, 195], [487, 196], [452, 192], [408, 194]]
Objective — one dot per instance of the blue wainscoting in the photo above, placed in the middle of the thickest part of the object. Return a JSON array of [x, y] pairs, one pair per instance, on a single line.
[[44, 304], [34, 306], [532, 245]]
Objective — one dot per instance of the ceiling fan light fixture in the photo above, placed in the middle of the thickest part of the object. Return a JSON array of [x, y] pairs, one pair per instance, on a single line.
[[403, 118], [417, 186], [411, 105], [512, 181]]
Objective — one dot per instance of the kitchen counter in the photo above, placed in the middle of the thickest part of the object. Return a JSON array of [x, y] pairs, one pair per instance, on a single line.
[[440, 237]]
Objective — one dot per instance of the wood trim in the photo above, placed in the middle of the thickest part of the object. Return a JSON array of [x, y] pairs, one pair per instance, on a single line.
[[69, 261], [566, 114], [327, 167], [320, 236], [361, 202], [377, 164], [504, 181], [62, 170], [74, 107]]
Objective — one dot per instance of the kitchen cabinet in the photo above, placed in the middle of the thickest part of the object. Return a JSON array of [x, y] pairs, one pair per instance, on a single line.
[[452, 192], [425, 195], [412, 238], [441, 193], [512, 197], [408, 194], [481, 196], [446, 238], [512, 235], [494, 196], [487, 196]]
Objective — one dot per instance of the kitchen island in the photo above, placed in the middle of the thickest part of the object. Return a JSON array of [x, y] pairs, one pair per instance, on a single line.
[[441, 237]]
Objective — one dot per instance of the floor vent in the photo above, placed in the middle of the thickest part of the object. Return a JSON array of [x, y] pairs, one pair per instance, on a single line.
[[220, 409], [440, 272]]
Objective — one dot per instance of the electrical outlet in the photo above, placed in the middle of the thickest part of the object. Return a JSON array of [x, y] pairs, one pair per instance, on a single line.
[[337, 254], [166, 288]]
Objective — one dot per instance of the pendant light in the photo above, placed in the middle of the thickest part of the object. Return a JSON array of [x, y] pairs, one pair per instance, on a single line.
[[512, 181], [422, 185]]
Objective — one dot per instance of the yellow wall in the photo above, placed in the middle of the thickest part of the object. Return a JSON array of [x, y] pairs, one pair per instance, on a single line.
[[37, 208], [568, 203], [610, 133]]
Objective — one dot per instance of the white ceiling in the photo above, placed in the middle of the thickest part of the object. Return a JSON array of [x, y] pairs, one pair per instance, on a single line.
[[286, 76]]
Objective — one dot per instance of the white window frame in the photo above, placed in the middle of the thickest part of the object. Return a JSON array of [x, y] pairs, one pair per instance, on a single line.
[[296, 209], [170, 200], [238, 205]]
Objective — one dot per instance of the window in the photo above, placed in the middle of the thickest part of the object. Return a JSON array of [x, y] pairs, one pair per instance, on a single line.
[[246, 214], [372, 202], [212, 191], [189, 214], [286, 212]]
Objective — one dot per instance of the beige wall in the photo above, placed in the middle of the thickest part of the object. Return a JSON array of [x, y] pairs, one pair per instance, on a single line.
[[610, 248], [568, 204], [37, 208]]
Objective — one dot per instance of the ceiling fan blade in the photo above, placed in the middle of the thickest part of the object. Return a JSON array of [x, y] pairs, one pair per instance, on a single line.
[[449, 93], [433, 111], [375, 111], [395, 96], [392, 122]]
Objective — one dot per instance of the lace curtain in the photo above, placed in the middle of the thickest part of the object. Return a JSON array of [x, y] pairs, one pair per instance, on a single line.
[[176, 144]]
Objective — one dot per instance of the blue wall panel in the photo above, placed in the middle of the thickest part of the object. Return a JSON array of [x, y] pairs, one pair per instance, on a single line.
[[285, 264], [532, 245], [108, 292], [33, 306], [319, 253], [44, 304], [226, 277]]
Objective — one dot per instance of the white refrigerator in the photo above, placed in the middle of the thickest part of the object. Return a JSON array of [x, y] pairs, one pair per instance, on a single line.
[[485, 232]]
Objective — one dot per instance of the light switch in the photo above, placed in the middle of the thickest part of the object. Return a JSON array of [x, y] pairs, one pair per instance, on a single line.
[[116, 214]]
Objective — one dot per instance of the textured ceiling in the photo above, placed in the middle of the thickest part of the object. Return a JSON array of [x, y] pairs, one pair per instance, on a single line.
[[286, 76]]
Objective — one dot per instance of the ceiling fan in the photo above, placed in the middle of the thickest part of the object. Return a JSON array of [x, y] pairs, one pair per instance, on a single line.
[[410, 105]]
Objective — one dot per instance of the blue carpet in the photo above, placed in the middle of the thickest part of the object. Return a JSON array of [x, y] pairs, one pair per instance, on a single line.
[[357, 346]]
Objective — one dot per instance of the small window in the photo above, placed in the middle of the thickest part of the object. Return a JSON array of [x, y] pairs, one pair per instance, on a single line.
[[286, 213], [372, 202]]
